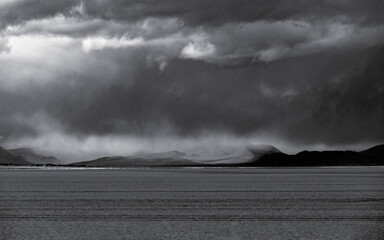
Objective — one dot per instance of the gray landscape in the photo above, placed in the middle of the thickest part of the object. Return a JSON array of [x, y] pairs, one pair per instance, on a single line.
[[192, 203], [191, 119]]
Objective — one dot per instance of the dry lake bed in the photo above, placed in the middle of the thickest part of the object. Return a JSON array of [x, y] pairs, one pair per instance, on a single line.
[[192, 203]]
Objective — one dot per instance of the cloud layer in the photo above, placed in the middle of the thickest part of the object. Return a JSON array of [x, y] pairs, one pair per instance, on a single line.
[[292, 73]]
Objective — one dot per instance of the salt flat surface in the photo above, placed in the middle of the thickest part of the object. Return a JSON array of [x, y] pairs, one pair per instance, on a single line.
[[196, 203]]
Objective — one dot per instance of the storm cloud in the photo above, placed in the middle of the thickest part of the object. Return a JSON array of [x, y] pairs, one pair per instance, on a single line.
[[119, 77]]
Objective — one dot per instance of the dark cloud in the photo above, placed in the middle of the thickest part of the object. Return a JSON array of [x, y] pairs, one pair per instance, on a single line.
[[19, 11], [201, 12], [195, 12]]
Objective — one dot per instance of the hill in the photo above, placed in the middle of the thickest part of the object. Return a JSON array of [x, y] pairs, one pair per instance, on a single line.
[[6, 158], [376, 151], [32, 157]]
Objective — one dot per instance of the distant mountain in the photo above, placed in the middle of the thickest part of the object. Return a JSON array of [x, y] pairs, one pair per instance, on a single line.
[[203, 157], [260, 150], [377, 151], [32, 157], [6, 158], [171, 158], [370, 157]]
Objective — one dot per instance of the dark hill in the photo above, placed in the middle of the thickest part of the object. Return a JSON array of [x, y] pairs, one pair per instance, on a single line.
[[33, 157], [377, 151], [369, 157], [7, 158]]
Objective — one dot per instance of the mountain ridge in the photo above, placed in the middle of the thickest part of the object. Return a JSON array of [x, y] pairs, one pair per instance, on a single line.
[[6, 158], [249, 156], [371, 157], [32, 157]]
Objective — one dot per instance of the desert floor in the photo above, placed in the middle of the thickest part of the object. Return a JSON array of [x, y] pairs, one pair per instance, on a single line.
[[192, 203]]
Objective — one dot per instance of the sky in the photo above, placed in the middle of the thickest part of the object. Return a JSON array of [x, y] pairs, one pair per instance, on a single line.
[[81, 79]]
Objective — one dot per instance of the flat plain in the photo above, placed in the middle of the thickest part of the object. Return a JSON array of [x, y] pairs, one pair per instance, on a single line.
[[192, 203]]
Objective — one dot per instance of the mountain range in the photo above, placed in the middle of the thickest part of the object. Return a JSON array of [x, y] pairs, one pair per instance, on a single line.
[[249, 156], [370, 157]]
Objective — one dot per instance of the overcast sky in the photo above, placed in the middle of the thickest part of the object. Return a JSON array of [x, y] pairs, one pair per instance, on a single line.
[[83, 79]]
